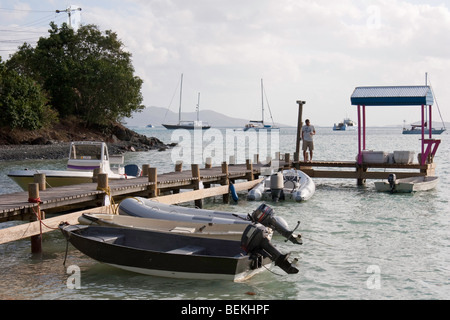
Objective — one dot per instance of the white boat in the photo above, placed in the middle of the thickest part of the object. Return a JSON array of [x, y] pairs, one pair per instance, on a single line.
[[84, 157], [226, 231], [345, 125], [290, 184], [259, 124], [407, 185]]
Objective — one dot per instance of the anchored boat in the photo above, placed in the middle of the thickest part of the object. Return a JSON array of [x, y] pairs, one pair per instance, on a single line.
[[226, 231], [84, 157], [178, 256], [144, 208], [345, 125], [291, 184], [407, 185]]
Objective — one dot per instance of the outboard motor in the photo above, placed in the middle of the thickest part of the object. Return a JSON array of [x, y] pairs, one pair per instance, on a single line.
[[265, 216], [276, 186], [255, 240], [392, 179]]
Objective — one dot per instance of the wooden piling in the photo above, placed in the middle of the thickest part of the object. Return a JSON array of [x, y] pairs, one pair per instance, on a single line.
[[102, 181], [299, 125], [145, 168], [33, 197], [287, 160], [41, 180], [225, 182], [153, 178], [249, 175], [179, 166], [208, 163], [196, 175]]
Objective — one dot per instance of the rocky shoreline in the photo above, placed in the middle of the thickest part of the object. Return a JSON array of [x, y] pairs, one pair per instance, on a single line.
[[48, 146]]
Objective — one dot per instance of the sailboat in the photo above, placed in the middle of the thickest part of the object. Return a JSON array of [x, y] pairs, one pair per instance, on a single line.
[[259, 124], [183, 124], [416, 128]]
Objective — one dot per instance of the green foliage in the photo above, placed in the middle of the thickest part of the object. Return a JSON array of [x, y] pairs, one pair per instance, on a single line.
[[86, 73], [22, 102]]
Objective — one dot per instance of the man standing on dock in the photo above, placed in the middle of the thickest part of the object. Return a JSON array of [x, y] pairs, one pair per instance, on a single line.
[[307, 135]]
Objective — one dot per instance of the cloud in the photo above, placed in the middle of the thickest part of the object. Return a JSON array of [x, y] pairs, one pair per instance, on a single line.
[[317, 51]]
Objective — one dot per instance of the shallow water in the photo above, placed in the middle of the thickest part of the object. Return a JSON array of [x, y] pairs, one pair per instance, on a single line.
[[358, 244]]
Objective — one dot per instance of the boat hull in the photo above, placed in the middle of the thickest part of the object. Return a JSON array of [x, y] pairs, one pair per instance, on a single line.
[[57, 178], [188, 127], [427, 131], [166, 255], [304, 192], [408, 185], [229, 231]]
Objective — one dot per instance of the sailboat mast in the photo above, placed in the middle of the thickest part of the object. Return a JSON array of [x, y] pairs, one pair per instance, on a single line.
[[181, 95], [262, 100]]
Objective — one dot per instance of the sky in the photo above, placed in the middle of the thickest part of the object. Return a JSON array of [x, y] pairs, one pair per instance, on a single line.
[[315, 51]]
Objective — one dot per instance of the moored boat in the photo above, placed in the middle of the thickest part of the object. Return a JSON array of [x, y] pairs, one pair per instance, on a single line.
[[84, 157], [178, 256], [294, 185], [345, 125], [144, 208], [230, 231], [407, 185]]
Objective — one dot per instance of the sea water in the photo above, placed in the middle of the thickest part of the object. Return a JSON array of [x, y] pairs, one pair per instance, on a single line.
[[357, 243]]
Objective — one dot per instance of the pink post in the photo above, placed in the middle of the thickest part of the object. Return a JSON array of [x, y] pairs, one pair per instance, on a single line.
[[359, 135], [423, 136], [430, 124], [364, 127]]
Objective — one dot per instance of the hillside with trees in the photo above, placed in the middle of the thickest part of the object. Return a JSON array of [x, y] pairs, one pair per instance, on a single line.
[[84, 78]]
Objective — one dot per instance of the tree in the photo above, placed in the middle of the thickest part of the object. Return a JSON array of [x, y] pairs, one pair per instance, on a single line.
[[86, 73], [22, 102]]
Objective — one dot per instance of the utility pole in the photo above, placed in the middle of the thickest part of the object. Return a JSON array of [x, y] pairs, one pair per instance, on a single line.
[[69, 11]]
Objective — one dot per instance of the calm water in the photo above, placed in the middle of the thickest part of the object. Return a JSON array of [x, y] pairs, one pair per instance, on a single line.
[[358, 244]]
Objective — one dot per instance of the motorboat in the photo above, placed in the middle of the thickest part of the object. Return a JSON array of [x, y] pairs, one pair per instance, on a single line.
[[178, 256], [145, 208], [226, 231], [294, 185], [345, 125], [407, 185], [84, 157]]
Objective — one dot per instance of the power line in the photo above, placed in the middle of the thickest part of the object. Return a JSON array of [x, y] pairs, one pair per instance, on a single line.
[[25, 10]]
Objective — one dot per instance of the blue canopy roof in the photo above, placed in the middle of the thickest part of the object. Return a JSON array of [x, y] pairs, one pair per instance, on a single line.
[[393, 96]]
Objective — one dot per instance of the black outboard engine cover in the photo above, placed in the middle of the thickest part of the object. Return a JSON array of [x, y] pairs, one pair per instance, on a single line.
[[265, 216], [255, 240], [392, 179]]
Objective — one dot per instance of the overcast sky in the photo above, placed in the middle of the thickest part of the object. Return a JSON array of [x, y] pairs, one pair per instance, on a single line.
[[317, 51]]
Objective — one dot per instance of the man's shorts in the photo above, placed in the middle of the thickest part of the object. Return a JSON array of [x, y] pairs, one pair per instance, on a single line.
[[308, 144]]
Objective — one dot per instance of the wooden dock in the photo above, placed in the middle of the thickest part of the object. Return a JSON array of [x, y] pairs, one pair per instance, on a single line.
[[16, 206], [166, 188]]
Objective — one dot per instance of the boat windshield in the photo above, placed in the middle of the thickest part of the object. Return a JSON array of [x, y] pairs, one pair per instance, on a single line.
[[87, 152]]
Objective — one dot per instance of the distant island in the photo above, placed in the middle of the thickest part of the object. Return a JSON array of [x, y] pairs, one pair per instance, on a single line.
[[157, 116]]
